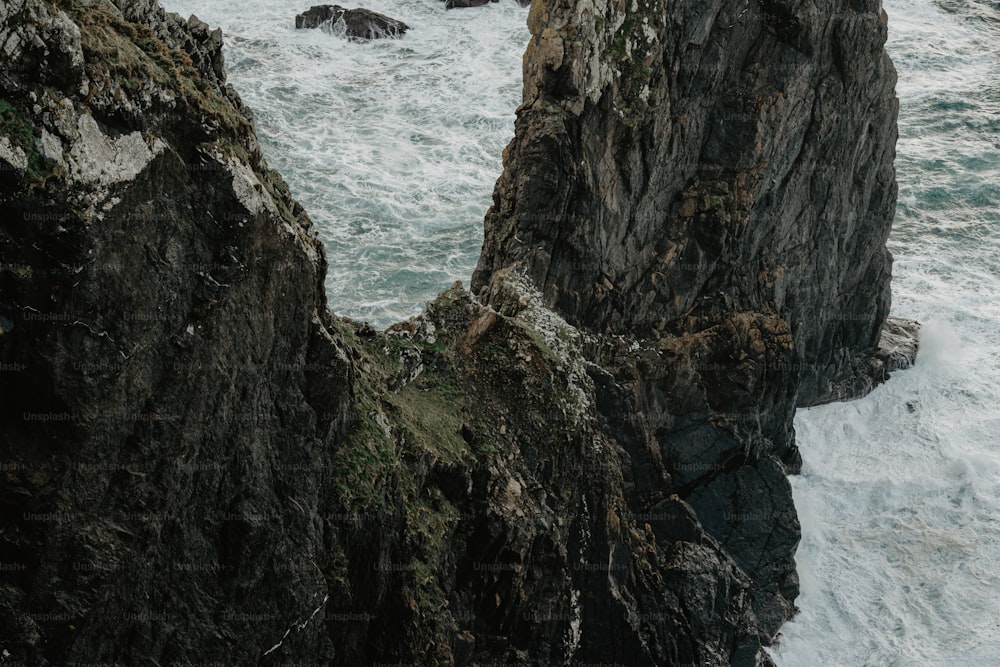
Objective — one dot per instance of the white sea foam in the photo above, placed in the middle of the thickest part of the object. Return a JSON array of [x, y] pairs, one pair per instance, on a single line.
[[899, 497]]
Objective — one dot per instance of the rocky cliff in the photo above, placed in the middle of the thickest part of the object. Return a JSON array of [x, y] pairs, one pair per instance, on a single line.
[[584, 460], [164, 295], [714, 181], [674, 165]]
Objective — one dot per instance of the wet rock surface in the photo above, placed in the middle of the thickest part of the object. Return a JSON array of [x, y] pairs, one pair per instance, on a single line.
[[353, 23], [583, 459]]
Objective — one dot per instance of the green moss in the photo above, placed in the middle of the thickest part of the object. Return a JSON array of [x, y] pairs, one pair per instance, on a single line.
[[633, 67], [374, 471], [451, 297], [430, 526], [364, 462], [428, 413], [431, 410], [367, 456], [487, 447], [14, 125], [499, 352], [428, 594], [539, 343], [618, 48], [430, 520], [337, 572]]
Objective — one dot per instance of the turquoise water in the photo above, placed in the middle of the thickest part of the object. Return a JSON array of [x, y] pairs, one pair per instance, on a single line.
[[394, 148]]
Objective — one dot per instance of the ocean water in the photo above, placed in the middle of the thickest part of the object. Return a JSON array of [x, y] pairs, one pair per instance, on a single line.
[[394, 147], [899, 495]]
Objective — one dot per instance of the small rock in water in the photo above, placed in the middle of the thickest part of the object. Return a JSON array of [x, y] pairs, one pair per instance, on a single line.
[[362, 24], [454, 4], [899, 343]]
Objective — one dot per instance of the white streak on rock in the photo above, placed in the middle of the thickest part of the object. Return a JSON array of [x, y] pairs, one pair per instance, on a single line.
[[13, 155], [248, 188], [97, 159]]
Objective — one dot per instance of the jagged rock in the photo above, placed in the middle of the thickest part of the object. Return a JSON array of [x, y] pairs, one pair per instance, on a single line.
[[13, 156], [412, 365], [40, 37], [202, 464], [899, 343], [706, 181], [156, 485], [353, 23]]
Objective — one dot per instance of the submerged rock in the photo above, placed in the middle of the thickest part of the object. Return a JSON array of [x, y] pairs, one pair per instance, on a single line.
[[456, 4], [354, 23]]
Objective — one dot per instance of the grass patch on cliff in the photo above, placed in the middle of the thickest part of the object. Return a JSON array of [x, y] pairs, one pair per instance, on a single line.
[[423, 418], [365, 461], [537, 341], [431, 523], [376, 469], [619, 45], [15, 126], [630, 53], [431, 410], [125, 54]]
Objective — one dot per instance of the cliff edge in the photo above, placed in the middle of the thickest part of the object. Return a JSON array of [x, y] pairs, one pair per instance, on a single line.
[[583, 459]]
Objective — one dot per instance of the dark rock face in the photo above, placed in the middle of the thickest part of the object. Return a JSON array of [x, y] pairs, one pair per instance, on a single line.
[[201, 464], [177, 382], [353, 23], [675, 165], [715, 181]]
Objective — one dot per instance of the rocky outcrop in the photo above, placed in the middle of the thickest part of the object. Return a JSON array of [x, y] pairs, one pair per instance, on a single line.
[[361, 24], [161, 433], [715, 182], [672, 167], [582, 461]]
